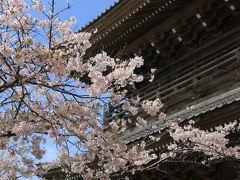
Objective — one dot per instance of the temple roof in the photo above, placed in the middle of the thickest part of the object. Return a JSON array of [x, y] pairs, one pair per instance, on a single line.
[[127, 20], [186, 114], [128, 24]]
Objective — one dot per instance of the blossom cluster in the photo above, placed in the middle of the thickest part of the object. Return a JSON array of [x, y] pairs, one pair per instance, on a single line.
[[152, 107], [215, 145]]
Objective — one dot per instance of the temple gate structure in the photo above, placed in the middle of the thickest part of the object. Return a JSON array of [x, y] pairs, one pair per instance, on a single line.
[[195, 47]]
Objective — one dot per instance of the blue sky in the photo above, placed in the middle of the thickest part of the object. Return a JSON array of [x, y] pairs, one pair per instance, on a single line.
[[86, 10]]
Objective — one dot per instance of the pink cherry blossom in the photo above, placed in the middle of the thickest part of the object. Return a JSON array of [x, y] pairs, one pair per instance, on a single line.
[[52, 88]]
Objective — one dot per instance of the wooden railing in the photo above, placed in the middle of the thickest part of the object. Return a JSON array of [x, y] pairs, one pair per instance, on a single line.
[[198, 71]]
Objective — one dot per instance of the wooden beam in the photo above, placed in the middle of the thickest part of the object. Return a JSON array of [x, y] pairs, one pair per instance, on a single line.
[[131, 47]]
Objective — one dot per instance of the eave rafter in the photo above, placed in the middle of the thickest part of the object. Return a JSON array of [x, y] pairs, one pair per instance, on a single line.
[[129, 24]]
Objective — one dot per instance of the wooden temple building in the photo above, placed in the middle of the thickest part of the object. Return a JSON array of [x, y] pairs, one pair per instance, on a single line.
[[195, 47]]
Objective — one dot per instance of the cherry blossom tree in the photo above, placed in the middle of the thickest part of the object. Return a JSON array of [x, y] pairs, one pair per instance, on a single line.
[[43, 93]]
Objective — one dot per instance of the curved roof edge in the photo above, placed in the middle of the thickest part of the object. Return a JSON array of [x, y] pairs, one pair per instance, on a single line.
[[100, 15]]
